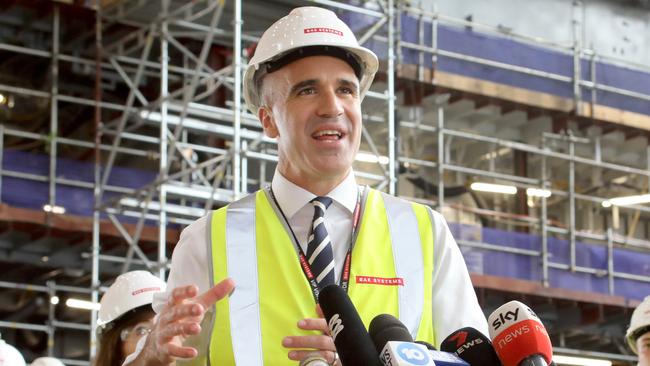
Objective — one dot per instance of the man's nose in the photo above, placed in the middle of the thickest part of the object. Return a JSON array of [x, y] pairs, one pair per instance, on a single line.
[[330, 105]]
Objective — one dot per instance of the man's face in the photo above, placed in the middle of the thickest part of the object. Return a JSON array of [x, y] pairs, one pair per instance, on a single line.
[[312, 107], [643, 346]]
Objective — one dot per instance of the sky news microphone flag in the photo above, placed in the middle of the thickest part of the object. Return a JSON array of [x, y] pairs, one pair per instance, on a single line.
[[518, 336]]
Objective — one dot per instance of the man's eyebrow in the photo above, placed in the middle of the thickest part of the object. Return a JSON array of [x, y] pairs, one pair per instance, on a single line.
[[302, 84], [349, 83]]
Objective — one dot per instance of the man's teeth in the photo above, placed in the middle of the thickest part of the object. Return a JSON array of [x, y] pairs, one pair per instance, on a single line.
[[327, 133]]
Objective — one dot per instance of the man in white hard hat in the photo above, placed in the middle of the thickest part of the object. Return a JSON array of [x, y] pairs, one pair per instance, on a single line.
[[313, 227], [638, 334]]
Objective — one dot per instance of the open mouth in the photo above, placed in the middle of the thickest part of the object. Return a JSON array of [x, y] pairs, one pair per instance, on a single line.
[[327, 135]]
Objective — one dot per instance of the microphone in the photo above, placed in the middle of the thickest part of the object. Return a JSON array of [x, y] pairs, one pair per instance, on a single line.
[[428, 345], [396, 347], [472, 346], [384, 328], [519, 337], [350, 336]]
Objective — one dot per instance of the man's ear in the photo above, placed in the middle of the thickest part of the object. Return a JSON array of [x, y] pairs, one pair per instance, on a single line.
[[265, 114]]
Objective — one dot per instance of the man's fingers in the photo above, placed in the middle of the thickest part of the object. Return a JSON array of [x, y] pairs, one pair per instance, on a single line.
[[313, 324], [182, 312], [320, 342], [170, 331], [319, 311], [173, 350], [184, 292], [216, 293]]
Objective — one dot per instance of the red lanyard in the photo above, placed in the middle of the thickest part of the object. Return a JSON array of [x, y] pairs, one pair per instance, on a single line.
[[304, 264]]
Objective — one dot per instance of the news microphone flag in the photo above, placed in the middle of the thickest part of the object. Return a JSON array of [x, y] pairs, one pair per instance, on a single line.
[[398, 353], [447, 359], [396, 347], [350, 336], [472, 346], [518, 336]]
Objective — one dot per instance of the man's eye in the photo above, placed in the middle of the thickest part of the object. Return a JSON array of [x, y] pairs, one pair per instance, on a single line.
[[307, 91], [348, 90]]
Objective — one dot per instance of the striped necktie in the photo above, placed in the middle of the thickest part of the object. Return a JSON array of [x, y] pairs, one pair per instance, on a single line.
[[319, 248]]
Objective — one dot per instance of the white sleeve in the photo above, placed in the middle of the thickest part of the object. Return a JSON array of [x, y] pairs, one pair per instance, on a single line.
[[454, 301], [189, 264]]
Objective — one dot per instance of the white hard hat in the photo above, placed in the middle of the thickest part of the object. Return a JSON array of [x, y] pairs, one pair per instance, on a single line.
[[47, 361], [317, 31], [129, 291], [639, 324], [9, 356]]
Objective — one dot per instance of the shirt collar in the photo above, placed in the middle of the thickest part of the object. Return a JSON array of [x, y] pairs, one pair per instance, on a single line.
[[292, 197]]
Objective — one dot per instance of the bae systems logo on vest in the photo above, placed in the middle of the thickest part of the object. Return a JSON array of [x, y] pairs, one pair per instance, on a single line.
[[370, 280], [336, 326]]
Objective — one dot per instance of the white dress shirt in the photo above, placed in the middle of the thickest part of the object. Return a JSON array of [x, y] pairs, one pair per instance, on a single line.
[[454, 301]]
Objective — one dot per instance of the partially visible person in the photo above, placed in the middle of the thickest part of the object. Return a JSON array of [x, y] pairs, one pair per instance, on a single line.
[[47, 361], [125, 315], [638, 334], [9, 355]]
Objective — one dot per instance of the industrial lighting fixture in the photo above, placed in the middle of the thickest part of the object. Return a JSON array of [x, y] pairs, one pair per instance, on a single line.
[[372, 158], [7, 100], [82, 304], [493, 188], [580, 361], [537, 192], [627, 200], [54, 209], [54, 300]]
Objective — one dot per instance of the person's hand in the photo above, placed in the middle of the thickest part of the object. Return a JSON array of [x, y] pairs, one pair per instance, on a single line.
[[181, 317], [301, 347]]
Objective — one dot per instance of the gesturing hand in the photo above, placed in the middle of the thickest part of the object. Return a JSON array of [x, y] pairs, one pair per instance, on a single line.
[[302, 347], [179, 318]]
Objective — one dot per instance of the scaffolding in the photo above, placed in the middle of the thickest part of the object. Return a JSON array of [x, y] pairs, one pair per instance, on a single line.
[[209, 150]]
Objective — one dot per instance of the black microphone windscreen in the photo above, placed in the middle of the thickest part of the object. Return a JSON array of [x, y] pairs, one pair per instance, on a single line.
[[384, 328], [350, 336], [472, 346], [429, 346]]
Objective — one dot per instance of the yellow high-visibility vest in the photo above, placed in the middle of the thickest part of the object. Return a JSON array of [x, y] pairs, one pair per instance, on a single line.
[[250, 242]]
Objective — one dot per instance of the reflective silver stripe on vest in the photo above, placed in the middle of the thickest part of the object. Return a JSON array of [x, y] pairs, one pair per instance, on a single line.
[[245, 327], [407, 254]]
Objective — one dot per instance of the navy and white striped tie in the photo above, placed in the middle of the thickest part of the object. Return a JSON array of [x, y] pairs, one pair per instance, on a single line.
[[319, 247]]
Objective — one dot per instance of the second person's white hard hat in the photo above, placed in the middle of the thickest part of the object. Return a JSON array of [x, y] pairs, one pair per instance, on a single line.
[[47, 361], [9, 355], [639, 324], [129, 291], [316, 31]]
